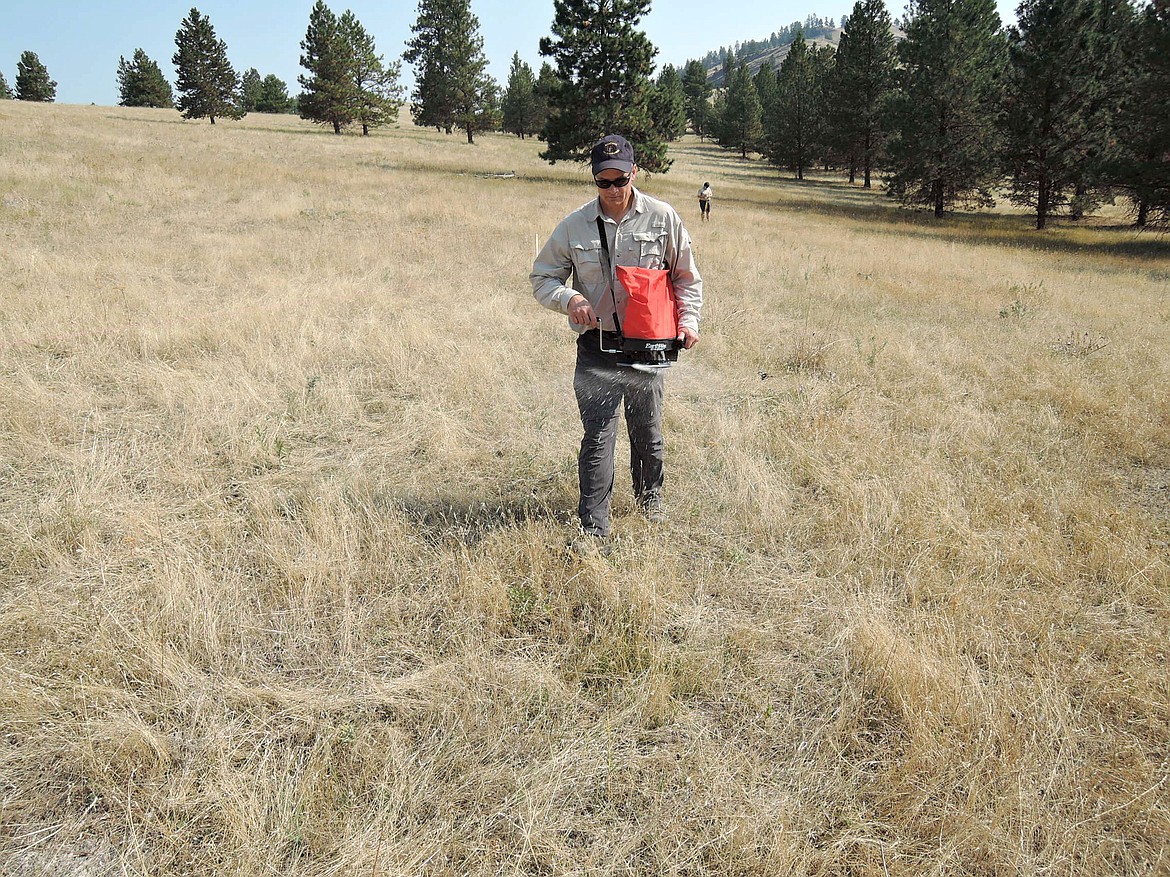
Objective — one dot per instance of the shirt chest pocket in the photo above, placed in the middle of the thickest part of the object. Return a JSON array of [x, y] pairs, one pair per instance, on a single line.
[[646, 249], [587, 265]]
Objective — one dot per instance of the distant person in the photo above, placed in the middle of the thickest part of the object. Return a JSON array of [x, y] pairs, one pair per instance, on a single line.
[[705, 203], [640, 232]]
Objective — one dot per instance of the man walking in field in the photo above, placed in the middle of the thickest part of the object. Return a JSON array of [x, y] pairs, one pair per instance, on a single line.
[[639, 231]]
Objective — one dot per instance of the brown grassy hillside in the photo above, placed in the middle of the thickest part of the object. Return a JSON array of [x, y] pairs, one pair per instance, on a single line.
[[287, 466]]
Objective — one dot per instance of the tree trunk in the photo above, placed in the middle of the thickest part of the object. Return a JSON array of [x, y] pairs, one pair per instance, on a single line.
[[939, 202], [1143, 212], [470, 134], [365, 130], [336, 127], [868, 170], [1042, 199], [213, 120], [852, 169]]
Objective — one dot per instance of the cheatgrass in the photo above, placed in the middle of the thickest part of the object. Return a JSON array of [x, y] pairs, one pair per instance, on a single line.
[[287, 480]]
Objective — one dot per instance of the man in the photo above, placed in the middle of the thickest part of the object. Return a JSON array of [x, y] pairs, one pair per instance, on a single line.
[[640, 231], [705, 203]]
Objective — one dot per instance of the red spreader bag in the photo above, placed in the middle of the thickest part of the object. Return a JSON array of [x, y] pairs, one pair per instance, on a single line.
[[648, 337]]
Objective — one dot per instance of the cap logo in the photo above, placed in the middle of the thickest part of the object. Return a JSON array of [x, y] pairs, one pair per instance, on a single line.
[[611, 149]]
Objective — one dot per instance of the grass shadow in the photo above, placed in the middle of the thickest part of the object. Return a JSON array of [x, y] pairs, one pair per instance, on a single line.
[[305, 130], [231, 124], [443, 520], [883, 216], [998, 230], [177, 120], [503, 177]]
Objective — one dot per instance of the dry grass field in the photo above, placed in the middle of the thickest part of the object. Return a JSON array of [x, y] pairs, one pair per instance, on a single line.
[[287, 473]]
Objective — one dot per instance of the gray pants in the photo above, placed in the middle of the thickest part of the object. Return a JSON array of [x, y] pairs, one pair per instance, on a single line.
[[601, 385]]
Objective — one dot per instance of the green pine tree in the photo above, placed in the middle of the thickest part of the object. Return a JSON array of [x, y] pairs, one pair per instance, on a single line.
[[697, 88], [141, 83], [32, 80], [546, 84], [433, 100], [740, 126], [1141, 163], [5, 91], [1051, 84], [863, 80], [823, 62], [328, 96], [944, 148], [768, 88], [485, 113], [668, 105], [477, 94], [603, 64], [1110, 47], [208, 86], [250, 85], [273, 96], [718, 112], [796, 134], [453, 88], [519, 103], [766, 82], [376, 93]]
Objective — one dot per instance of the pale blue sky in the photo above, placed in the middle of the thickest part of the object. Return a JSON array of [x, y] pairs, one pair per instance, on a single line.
[[80, 42]]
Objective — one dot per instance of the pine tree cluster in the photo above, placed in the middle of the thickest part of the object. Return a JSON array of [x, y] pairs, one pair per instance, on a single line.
[[753, 51], [348, 82], [524, 109], [1065, 110]]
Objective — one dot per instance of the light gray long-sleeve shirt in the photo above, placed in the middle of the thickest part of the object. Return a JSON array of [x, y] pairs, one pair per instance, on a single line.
[[650, 235]]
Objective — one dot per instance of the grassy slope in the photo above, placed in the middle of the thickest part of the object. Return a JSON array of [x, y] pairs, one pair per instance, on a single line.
[[286, 472]]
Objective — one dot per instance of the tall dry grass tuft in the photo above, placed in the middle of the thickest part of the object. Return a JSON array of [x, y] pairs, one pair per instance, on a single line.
[[287, 473]]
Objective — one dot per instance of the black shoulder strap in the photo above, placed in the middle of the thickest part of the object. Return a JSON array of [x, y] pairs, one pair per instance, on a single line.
[[604, 237], [609, 272]]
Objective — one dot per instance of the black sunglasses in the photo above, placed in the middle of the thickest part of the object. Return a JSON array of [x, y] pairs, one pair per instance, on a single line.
[[620, 182]]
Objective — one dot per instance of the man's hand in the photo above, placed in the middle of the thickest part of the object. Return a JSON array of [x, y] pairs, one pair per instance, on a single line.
[[689, 337], [581, 312]]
